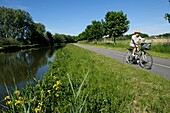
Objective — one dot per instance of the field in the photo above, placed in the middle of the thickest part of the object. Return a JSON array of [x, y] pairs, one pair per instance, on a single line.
[[159, 48], [83, 81]]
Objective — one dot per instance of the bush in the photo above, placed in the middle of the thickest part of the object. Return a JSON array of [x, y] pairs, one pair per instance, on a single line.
[[13, 41]]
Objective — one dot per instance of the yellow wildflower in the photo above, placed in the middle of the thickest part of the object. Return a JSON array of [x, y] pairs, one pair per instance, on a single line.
[[8, 102], [58, 82], [37, 110], [20, 98], [56, 85], [18, 102], [17, 92], [57, 95], [56, 88], [48, 91], [40, 104], [7, 97]]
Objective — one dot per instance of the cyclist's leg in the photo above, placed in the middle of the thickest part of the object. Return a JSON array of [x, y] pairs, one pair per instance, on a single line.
[[136, 51], [133, 52]]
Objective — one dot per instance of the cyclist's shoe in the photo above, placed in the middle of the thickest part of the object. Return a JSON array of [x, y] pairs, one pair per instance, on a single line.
[[134, 58], [135, 62]]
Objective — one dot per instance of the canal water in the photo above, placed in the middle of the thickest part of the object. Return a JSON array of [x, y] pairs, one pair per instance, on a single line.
[[19, 68]]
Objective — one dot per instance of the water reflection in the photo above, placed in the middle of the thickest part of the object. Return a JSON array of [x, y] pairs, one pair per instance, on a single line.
[[22, 66]]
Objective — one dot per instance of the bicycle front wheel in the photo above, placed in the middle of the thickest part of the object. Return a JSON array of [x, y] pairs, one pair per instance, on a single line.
[[146, 60]]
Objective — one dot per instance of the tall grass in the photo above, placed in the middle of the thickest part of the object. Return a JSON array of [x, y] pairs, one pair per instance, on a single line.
[[161, 47]]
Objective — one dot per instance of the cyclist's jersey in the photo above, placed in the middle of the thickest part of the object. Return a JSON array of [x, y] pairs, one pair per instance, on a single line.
[[136, 40]]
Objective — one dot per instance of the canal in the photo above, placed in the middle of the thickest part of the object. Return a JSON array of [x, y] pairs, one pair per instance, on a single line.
[[19, 68]]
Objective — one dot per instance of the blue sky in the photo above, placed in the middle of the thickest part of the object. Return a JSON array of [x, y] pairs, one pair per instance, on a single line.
[[72, 16]]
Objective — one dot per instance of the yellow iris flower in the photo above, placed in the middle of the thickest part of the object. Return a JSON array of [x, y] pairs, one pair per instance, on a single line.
[[18, 102], [37, 110], [8, 102], [7, 97], [48, 91], [57, 95], [17, 92], [56, 85]]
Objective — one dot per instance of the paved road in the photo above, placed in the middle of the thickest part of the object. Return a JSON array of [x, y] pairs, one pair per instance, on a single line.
[[160, 66]]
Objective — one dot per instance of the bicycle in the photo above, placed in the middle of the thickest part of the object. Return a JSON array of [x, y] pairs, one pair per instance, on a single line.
[[142, 58]]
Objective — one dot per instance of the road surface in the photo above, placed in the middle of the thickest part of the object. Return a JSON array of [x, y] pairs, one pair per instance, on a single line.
[[160, 66]]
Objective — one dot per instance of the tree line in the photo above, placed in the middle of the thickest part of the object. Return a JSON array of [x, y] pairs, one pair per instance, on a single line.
[[114, 25], [18, 27]]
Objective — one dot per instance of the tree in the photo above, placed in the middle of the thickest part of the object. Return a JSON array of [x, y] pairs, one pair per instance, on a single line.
[[59, 38], [15, 23], [37, 35], [88, 33], [116, 24], [167, 16], [50, 37], [82, 36], [97, 30]]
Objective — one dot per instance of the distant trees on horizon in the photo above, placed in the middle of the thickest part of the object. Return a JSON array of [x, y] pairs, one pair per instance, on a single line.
[[18, 27]]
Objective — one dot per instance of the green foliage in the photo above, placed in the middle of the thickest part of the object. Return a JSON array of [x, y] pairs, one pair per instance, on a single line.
[[94, 31], [167, 16], [37, 38], [13, 41], [165, 35], [61, 38], [50, 37], [115, 25], [82, 36], [15, 23], [8, 41], [161, 47]]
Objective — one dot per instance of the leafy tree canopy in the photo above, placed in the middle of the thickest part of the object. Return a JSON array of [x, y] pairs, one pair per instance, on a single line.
[[167, 16], [116, 24]]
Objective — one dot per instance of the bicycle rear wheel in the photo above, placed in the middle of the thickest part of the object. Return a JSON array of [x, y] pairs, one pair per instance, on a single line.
[[128, 57], [146, 60]]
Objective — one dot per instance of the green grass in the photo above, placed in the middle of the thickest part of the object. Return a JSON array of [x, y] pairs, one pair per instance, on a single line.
[[161, 50], [93, 83]]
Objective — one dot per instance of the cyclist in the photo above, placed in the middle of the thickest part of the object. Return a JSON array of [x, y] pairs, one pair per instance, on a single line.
[[135, 40]]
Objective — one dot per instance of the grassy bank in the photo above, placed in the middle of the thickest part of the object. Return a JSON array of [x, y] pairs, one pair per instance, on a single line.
[[161, 50], [83, 81]]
